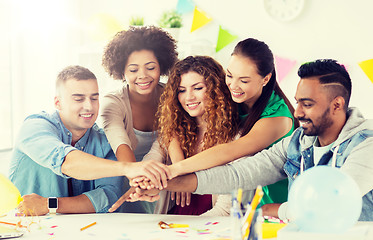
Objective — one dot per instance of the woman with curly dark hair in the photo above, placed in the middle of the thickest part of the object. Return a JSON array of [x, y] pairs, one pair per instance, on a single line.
[[138, 56], [196, 112]]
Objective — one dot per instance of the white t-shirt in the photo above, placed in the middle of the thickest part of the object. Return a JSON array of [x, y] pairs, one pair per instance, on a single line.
[[318, 151]]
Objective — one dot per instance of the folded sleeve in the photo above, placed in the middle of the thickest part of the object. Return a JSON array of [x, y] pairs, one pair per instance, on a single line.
[[106, 193], [107, 190]]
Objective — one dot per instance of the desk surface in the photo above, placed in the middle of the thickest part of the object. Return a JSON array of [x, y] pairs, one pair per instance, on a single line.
[[124, 226]]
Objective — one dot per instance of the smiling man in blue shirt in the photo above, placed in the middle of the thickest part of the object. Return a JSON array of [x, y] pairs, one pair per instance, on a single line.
[[65, 155]]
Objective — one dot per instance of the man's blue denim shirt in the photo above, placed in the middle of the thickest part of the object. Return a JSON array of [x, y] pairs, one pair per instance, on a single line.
[[295, 153], [39, 151]]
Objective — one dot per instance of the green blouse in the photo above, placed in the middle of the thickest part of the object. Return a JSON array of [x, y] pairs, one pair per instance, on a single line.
[[276, 107]]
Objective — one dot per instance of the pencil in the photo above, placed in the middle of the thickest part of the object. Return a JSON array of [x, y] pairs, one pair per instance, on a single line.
[[13, 224], [90, 225], [239, 196], [254, 203]]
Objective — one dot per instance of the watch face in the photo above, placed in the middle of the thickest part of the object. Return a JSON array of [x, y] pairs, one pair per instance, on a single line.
[[283, 10], [52, 203]]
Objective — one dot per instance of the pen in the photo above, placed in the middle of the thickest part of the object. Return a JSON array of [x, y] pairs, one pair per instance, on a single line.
[[236, 216], [90, 225]]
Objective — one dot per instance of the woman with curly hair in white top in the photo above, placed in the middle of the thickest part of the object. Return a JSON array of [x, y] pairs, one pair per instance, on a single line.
[[138, 57]]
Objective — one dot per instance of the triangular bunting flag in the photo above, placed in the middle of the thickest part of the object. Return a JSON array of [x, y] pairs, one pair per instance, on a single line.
[[224, 38], [367, 67], [199, 19], [283, 67], [184, 6]]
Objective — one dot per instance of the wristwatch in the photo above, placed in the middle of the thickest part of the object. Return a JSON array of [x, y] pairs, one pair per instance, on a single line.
[[52, 205]]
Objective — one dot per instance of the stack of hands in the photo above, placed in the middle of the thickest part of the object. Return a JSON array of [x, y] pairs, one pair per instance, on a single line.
[[146, 189], [142, 189]]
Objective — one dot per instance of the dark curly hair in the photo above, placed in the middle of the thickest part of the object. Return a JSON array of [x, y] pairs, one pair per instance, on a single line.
[[150, 38], [220, 111]]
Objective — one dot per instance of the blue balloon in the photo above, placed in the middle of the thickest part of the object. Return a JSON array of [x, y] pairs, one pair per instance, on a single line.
[[324, 199]]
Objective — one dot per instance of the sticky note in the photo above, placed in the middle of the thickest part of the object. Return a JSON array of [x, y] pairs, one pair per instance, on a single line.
[[269, 230]]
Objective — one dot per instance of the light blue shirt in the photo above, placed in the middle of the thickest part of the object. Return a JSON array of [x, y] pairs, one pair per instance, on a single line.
[[39, 151]]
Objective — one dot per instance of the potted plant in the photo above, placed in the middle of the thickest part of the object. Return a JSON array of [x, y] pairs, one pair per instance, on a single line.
[[136, 21], [171, 21]]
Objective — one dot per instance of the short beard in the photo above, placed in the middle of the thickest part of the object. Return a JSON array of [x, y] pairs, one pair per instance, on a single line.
[[325, 122]]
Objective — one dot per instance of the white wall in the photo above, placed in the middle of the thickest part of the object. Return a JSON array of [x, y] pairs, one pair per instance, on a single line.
[[5, 83], [46, 37]]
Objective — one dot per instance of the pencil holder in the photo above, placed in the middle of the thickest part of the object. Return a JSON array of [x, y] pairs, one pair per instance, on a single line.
[[255, 227]]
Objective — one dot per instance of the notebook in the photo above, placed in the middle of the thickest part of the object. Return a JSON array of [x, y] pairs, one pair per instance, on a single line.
[[6, 232]]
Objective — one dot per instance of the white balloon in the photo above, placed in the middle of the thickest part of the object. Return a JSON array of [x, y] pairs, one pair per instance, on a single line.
[[324, 199]]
